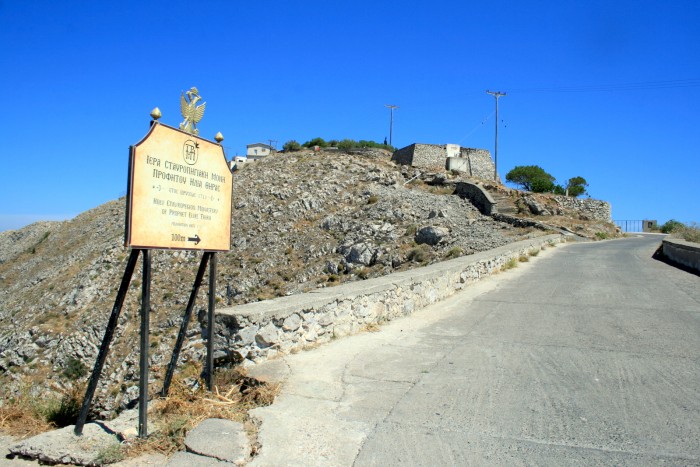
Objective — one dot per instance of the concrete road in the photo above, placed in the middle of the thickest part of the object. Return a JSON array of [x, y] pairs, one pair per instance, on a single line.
[[587, 355]]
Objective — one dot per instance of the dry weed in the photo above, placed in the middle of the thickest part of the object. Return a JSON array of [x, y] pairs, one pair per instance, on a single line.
[[26, 414], [173, 416]]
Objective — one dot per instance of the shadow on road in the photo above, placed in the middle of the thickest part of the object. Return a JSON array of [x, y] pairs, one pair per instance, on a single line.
[[659, 256]]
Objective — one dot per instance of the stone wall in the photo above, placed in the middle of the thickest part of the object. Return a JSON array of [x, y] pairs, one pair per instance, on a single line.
[[404, 156], [481, 164], [429, 156], [590, 209], [475, 162], [260, 330]]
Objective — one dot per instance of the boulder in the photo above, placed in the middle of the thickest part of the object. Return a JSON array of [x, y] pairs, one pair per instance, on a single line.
[[431, 235]]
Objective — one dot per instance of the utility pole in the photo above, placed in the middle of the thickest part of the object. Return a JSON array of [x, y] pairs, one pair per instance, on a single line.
[[496, 94], [271, 146], [391, 120]]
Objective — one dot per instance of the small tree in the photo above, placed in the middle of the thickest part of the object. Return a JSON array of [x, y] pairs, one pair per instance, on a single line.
[[347, 144], [320, 142], [671, 226], [576, 186], [291, 145], [531, 178]]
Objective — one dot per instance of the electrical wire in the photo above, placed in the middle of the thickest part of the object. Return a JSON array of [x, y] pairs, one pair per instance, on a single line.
[[484, 120], [645, 85]]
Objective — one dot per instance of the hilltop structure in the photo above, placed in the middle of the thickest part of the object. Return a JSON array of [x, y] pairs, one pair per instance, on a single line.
[[471, 161], [257, 151]]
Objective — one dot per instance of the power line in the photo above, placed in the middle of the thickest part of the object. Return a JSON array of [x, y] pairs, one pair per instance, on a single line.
[[483, 120], [639, 86]]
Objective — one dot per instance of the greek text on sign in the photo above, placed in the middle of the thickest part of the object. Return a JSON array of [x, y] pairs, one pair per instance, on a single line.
[[179, 194]]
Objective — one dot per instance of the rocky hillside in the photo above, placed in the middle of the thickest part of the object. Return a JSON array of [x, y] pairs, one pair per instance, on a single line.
[[300, 221]]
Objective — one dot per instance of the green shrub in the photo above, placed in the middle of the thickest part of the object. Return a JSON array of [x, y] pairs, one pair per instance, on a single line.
[[320, 142], [418, 255], [671, 226], [74, 369], [65, 411], [372, 199], [454, 252], [111, 454], [601, 235], [347, 144], [291, 145]]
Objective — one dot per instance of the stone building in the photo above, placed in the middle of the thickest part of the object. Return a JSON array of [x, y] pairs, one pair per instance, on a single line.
[[472, 161]]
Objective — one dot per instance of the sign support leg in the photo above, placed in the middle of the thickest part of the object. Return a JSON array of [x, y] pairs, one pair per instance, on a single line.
[[185, 322], [106, 341], [145, 311], [210, 319]]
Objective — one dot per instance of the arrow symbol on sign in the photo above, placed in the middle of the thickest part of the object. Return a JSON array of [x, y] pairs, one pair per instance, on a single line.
[[195, 239]]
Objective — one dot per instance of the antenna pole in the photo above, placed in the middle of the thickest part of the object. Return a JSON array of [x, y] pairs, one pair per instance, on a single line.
[[391, 121], [496, 94]]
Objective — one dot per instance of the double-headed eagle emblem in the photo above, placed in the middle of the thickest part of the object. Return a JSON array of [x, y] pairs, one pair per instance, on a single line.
[[191, 112]]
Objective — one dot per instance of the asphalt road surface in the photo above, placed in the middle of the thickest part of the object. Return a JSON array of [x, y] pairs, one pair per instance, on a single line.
[[587, 355]]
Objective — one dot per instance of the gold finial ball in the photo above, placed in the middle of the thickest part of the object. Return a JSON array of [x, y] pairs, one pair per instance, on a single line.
[[219, 137], [155, 114]]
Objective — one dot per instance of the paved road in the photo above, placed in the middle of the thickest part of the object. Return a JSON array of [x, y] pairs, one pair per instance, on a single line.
[[588, 355]]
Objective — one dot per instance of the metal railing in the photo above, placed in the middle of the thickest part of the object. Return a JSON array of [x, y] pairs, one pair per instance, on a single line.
[[631, 225]]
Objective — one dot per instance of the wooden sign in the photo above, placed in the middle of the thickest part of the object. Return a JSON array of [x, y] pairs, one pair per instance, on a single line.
[[179, 193]]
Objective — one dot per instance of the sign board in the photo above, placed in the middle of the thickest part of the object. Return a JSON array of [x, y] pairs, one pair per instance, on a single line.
[[179, 193]]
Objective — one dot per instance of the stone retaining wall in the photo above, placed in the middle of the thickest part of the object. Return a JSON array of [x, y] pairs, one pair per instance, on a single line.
[[681, 252], [591, 209], [260, 330], [477, 196]]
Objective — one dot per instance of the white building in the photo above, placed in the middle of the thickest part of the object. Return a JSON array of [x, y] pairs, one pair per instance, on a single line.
[[257, 151]]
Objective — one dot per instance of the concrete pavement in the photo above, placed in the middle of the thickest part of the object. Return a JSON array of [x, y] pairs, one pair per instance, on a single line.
[[586, 355]]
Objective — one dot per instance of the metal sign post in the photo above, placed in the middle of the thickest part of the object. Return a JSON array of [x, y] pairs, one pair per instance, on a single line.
[[106, 341], [210, 322], [143, 361], [178, 197]]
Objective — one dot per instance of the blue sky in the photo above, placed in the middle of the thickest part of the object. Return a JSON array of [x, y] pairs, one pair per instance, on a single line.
[[606, 90]]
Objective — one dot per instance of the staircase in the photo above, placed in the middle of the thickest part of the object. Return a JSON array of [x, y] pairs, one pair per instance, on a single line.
[[504, 203]]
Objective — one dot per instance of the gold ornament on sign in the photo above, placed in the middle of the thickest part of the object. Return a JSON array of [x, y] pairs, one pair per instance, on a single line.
[[191, 112]]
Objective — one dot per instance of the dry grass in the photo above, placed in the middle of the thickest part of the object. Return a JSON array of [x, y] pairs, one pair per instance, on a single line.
[[173, 416], [689, 233], [170, 417], [22, 418], [510, 264], [28, 414]]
